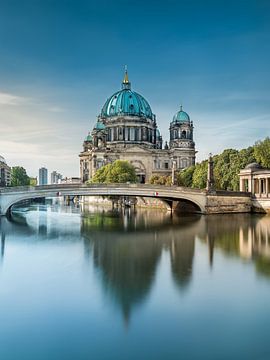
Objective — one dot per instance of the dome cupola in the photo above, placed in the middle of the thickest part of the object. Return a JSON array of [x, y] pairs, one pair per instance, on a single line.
[[99, 126], [181, 131], [181, 116], [127, 103], [88, 138]]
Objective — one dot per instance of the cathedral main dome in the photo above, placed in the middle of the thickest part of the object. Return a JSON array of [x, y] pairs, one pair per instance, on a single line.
[[126, 102]]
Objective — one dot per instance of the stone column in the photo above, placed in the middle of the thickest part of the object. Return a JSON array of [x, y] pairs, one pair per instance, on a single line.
[[210, 186], [266, 186], [242, 185], [260, 187], [173, 172], [251, 184]]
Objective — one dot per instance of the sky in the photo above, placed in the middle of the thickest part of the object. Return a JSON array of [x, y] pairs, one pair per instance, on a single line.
[[61, 59]]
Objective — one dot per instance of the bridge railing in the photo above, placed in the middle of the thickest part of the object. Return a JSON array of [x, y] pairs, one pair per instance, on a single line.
[[59, 187]]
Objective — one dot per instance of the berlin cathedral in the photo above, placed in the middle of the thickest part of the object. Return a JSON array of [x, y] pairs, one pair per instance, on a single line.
[[126, 129]]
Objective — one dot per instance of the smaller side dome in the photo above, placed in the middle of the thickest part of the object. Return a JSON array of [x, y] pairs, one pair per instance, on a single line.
[[253, 165], [88, 138], [181, 116], [99, 126]]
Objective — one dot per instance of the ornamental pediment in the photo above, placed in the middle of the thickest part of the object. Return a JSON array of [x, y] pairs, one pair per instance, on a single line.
[[137, 149]]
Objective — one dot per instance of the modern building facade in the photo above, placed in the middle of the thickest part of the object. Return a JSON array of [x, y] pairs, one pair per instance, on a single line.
[[43, 176], [56, 177], [5, 173], [127, 129]]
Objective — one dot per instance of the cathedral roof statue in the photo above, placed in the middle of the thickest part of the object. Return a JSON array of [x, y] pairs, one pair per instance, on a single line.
[[126, 102], [181, 116]]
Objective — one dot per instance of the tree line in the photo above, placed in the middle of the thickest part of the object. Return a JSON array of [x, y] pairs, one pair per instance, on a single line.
[[227, 166]]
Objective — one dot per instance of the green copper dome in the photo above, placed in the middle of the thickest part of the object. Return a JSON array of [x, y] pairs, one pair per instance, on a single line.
[[126, 102], [88, 138], [99, 126], [181, 116]]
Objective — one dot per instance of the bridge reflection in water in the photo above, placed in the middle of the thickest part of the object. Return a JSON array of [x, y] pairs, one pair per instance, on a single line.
[[126, 250]]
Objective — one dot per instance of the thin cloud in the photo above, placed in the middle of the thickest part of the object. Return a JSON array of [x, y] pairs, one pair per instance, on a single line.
[[56, 109], [11, 100]]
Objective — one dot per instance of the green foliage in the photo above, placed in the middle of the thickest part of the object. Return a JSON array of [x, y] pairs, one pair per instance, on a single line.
[[184, 177], [33, 181], [227, 166], [199, 177], [160, 180], [19, 176], [117, 172], [262, 152]]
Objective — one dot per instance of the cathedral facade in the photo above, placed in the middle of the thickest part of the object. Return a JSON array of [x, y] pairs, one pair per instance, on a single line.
[[126, 129]]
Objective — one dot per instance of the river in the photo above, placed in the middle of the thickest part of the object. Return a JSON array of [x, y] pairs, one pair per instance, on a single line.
[[102, 284]]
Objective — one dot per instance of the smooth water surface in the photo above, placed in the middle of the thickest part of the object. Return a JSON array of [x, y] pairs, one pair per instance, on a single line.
[[99, 284]]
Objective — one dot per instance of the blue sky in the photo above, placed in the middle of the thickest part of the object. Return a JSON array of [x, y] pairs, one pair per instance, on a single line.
[[60, 60]]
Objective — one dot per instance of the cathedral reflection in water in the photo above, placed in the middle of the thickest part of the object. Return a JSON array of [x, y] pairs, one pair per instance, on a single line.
[[126, 248]]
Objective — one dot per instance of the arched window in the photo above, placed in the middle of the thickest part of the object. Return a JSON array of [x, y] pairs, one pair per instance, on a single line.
[[184, 134]]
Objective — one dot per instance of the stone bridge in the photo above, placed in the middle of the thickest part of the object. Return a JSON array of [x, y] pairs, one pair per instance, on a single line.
[[187, 199]]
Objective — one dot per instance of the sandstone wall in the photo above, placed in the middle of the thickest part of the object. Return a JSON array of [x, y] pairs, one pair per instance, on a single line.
[[222, 204]]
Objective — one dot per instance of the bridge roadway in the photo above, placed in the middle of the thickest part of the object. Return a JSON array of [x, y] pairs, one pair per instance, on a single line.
[[169, 194]]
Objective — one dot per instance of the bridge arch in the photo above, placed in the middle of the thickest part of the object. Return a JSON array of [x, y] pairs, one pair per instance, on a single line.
[[6, 208]]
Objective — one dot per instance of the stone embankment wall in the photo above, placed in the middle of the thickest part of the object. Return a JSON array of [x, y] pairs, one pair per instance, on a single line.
[[221, 203], [261, 205]]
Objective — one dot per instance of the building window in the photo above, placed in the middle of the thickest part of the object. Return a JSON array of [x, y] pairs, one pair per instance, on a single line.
[[99, 163], [166, 165], [184, 163]]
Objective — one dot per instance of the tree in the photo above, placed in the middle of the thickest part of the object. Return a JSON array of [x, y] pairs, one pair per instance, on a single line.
[[227, 166], [119, 171], [199, 177], [184, 177], [262, 152], [161, 180], [19, 176]]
